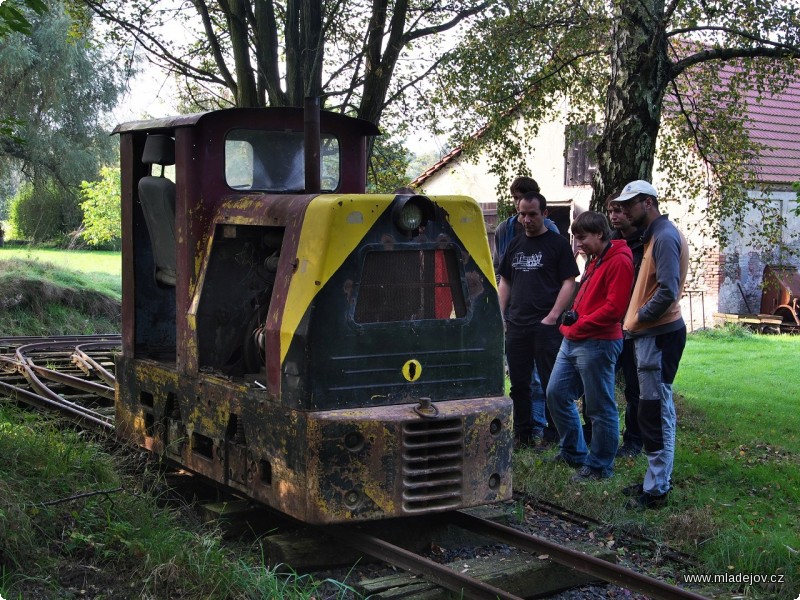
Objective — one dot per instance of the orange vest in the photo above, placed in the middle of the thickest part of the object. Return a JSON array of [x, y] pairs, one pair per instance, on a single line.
[[646, 287]]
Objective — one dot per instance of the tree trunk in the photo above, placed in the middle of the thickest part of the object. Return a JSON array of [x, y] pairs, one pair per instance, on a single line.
[[266, 44], [640, 73], [246, 95], [313, 48], [380, 67]]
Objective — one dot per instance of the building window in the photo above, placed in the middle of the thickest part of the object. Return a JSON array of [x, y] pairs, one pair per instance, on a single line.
[[580, 162]]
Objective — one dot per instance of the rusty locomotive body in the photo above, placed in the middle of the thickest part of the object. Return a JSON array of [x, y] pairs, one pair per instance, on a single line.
[[333, 354]]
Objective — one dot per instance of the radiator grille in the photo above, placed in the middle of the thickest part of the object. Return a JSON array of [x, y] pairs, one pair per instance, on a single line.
[[433, 458], [407, 285]]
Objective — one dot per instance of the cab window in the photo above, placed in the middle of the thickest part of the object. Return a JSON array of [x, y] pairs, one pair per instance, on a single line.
[[272, 161]]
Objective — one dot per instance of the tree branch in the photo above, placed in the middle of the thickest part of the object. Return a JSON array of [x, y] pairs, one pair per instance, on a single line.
[[152, 45], [726, 54], [216, 51], [413, 35], [84, 495]]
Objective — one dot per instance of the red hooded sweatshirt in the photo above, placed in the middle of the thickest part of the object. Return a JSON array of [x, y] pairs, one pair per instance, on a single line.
[[603, 296]]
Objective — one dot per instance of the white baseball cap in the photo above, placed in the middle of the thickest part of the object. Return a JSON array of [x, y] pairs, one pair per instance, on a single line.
[[634, 188]]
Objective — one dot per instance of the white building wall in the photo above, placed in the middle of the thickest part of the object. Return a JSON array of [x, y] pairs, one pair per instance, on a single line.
[[745, 257], [545, 161]]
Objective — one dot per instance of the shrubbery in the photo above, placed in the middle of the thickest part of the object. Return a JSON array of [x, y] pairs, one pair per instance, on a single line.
[[44, 213], [101, 210]]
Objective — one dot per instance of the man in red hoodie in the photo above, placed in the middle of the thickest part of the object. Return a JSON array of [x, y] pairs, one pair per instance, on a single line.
[[592, 342]]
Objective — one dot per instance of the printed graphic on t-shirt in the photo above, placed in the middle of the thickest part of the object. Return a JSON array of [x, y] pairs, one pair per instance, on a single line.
[[521, 262]]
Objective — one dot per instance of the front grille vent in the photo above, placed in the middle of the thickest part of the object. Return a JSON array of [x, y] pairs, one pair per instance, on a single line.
[[433, 459]]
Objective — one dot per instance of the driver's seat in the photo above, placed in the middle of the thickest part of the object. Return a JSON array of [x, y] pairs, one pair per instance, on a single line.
[[157, 197]]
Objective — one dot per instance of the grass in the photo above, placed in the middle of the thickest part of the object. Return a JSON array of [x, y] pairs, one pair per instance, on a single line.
[[736, 498], [73, 520], [67, 505], [42, 298], [100, 270]]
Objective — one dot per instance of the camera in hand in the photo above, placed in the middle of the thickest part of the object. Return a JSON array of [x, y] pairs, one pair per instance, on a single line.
[[569, 317]]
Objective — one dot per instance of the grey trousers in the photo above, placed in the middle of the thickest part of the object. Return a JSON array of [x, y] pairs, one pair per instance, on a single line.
[[657, 360]]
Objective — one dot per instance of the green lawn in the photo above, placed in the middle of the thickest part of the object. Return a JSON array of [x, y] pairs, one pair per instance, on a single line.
[[738, 449], [88, 261]]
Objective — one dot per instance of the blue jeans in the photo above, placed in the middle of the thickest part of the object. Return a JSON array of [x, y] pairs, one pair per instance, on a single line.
[[586, 367], [539, 422]]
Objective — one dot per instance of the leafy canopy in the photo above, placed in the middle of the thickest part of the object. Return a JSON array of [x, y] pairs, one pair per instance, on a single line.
[[643, 71], [13, 18], [55, 89]]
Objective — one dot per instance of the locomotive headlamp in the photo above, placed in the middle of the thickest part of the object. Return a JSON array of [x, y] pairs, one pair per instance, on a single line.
[[410, 217], [411, 212]]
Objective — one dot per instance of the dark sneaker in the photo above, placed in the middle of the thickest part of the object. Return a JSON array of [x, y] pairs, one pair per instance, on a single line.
[[586, 473], [628, 451], [647, 501], [561, 459], [633, 491]]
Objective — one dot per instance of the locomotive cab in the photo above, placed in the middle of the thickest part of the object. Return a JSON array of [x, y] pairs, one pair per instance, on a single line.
[[333, 354]]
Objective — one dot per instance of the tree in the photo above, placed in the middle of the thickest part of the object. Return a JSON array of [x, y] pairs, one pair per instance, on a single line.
[[387, 170], [632, 66], [102, 217], [271, 53], [55, 87], [12, 18]]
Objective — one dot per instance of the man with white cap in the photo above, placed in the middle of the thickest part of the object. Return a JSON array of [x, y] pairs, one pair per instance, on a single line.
[[655, 323]]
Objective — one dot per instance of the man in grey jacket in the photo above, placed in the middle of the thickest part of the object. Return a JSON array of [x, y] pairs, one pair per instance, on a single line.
[[655, 323]]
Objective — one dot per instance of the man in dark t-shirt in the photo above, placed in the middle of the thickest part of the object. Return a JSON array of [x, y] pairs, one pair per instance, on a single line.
[[537, 280]]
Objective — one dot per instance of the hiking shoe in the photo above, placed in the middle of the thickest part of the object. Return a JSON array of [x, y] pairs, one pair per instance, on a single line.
[[628, 451], [633, 490], [647, 501], [561, 459], [541, 444], [587, 473]]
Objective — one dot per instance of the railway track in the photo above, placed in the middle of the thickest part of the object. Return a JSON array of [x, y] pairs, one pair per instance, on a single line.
[[74, 375], [470, 587]]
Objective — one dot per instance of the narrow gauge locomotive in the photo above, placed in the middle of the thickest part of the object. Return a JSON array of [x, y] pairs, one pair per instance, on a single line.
[[333, 354]]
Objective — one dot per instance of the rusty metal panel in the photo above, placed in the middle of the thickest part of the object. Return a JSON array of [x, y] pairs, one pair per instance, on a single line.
[[385, 462], [781, 292], [327, 466]]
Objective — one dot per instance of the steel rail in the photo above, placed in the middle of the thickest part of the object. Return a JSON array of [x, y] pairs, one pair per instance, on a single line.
[[39, 393], [436, 573], [574, 559], [57, 400], [82, 416], [84, 358], [15, 341], [33, 371], [74, 382]]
